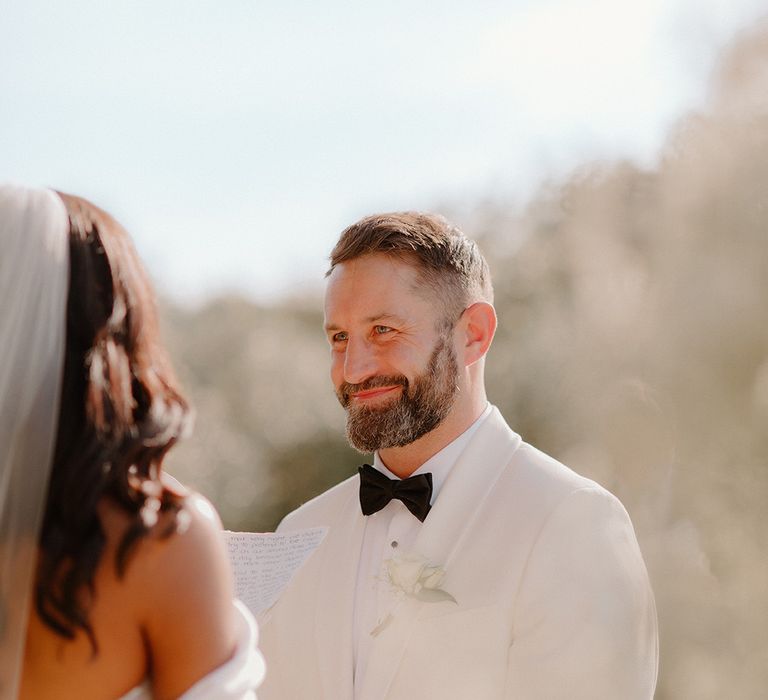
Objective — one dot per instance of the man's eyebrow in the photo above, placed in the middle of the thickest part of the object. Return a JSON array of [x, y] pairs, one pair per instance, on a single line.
[[383, 316]]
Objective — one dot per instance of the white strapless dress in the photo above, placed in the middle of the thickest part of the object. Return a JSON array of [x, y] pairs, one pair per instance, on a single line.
[[237, 679]]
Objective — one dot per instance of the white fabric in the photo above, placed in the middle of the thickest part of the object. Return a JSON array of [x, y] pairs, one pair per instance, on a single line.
[[34, 273], [552, 596], [393, 529], [237, 679]]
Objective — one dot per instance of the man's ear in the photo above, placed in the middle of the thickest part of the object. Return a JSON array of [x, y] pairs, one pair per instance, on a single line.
[[478, 324]]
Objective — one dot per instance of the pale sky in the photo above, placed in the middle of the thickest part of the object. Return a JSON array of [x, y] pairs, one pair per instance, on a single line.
[[236, 138]]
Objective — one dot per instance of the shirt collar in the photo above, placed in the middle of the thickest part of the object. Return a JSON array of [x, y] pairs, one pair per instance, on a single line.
[[441, 463]]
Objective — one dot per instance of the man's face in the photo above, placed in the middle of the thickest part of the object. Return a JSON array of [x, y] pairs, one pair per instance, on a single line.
[[394, 372]]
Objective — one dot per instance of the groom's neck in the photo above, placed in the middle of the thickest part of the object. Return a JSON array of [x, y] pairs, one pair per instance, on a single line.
[[403, 461]]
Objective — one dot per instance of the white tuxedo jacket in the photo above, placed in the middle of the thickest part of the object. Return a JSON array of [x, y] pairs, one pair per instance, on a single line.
[[552, 595]]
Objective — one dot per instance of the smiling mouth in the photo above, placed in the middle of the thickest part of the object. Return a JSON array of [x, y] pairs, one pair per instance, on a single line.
[[370, 394]]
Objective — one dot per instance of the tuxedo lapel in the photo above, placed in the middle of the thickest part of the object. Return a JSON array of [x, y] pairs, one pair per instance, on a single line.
[[335, 600], [461, 498], [387, 651], [465, 490]]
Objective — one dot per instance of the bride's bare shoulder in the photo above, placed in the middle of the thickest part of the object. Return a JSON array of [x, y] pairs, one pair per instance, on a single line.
[[188, 541], [178, 583]]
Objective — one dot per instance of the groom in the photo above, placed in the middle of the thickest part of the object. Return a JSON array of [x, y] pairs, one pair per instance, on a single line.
[[463, 564]]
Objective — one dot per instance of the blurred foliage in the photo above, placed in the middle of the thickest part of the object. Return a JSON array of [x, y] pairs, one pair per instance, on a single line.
[[632, 345], [268, 431]]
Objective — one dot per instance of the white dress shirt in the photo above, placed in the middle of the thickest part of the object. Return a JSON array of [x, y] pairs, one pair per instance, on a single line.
[[390, 531]]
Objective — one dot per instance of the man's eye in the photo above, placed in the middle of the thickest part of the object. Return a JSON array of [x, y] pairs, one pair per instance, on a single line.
[[338, 337], [380, 330]]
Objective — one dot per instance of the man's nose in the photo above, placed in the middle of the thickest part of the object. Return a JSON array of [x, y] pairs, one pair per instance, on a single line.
[[360, 362]]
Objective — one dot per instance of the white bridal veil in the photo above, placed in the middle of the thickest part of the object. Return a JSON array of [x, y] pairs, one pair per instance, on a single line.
[[34, 275]]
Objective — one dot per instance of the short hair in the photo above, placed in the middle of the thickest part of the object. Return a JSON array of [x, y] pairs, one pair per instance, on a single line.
[[449, 264]]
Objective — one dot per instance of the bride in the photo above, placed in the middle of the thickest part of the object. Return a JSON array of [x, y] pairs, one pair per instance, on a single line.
[[114, 580]]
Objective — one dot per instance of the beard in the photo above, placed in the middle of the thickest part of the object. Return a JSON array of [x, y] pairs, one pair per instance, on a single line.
[[423, 404]]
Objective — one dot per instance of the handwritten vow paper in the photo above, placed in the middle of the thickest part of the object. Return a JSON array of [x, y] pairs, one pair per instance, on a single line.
[[264, 562]]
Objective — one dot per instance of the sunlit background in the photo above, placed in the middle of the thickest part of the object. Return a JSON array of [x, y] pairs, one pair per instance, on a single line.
[[611, 157]]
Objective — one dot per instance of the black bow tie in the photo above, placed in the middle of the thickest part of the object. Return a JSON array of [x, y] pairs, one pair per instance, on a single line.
[[376, 490]]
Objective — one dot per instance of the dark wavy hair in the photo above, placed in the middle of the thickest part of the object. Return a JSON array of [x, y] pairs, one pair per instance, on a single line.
[[120, 413]]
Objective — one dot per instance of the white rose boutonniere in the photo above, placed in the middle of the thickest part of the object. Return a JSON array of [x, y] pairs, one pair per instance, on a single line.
[[413, 577]]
